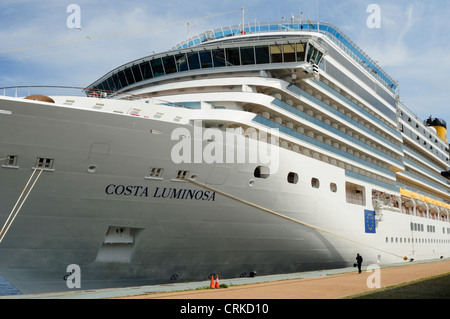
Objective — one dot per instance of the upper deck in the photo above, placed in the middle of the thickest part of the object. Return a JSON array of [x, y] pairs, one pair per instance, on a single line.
[[256, 46], [331, 31]]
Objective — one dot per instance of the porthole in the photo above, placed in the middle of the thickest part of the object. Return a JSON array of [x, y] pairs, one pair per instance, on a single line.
[[92, 168], [333, 187], [261, 172], [292, 178], [315, 183]]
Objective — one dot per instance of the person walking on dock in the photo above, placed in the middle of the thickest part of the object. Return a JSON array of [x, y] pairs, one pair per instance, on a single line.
[[359, 261]]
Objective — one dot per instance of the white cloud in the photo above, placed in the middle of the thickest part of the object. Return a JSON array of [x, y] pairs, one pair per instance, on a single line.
[[411, 44]]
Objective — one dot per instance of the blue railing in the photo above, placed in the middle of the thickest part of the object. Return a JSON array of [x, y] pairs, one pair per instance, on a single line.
[[394, 188], [328, 29], [344, 136], [311, 98], [310, 140]]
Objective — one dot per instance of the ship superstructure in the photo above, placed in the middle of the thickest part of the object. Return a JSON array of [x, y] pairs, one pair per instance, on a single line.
[[125, 195]]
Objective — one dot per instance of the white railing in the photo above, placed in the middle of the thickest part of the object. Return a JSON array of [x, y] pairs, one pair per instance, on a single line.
[[24, 91]]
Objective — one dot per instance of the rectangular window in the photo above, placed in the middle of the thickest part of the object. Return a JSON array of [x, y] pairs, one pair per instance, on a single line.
[[314, 56], [137, 73], [233, 56], [157, 67], [146, 70], [300, 52], [247, 56], [205, 59], [309, 52], [355, 194], [276, 53], [122, 78], [129, 76], [193, 60], [116, 83], [169, 64], [218, 57], [181, 61], [319, 56], [111, 84], [262, 54], [105, 86], [289, 53]]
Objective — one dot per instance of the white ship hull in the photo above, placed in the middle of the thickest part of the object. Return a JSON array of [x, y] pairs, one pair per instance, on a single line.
[[134, 185], [167, 235]]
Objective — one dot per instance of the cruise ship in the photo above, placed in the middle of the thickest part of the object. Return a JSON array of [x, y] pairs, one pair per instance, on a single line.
[[249, 150]]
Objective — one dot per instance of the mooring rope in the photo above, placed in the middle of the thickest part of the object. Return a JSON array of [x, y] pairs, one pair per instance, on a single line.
[[287, 217], [8, 223]]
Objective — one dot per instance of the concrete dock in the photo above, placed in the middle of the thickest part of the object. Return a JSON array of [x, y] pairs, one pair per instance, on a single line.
[[325, 284]]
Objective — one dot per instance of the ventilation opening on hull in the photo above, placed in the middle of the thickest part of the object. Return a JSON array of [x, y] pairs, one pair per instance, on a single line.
[[155, 173], [44, 163], [118, 244], [182, 175], [10, 161]]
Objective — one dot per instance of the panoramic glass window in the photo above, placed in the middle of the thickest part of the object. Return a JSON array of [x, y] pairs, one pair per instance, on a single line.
[[105, 85], [146, 70], [205, 58], [300, 52], [181, 62], [275, 53], [116, 83], [194, 62], [289, 53], [314, 56], [309, 50], [262, 54], [157, 67], [233, 56], [169, 64], [319, 56], [247, 56], [136, 73], [122, 79], [218, 57], [129, 76], [111, 85]]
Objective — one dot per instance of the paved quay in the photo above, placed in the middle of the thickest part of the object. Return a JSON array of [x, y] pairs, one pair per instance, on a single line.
[[326, 284]]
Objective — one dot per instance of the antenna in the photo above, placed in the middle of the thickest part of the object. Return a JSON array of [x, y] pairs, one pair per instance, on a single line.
[[189, 31], [243, 15], [317, 7]]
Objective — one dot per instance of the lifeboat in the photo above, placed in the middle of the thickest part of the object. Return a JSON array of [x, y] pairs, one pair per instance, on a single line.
[[39, 97]]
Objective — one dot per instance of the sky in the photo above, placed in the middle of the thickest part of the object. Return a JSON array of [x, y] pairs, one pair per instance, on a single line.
[[41, 44]]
